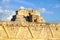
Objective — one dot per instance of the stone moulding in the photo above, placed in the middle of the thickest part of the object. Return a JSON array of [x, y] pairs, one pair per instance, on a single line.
[[27, 24], [30, 30]]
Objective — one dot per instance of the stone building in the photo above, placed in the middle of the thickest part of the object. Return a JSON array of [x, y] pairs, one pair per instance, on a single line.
[[28, 25], [28, 15]]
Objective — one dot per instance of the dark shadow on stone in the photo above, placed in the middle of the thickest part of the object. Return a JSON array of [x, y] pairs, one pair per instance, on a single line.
[[14, 18], [28, 18], [16, 12], [35, 20]]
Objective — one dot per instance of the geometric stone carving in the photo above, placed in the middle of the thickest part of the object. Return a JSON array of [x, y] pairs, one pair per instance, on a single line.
[[11, 31], [28, 25]]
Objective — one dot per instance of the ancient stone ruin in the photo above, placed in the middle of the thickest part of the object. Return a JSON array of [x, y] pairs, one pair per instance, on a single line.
[[28, 25]]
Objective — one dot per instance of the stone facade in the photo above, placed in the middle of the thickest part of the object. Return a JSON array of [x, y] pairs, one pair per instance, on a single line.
[[28, 25], [29, 15]]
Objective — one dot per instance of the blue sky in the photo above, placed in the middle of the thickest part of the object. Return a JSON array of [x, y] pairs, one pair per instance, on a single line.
[[49, 9]]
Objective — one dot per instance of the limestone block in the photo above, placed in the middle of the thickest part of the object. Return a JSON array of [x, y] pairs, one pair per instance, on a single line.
[[26, 12], [23, 12], [23, 33], [3, 33], [55, 31], [11, 31], [41, 19], [36, 12], [36, 31]]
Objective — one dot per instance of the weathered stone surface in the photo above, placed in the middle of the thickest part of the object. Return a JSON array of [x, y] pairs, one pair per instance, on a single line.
[[32, 15], [29, 27]]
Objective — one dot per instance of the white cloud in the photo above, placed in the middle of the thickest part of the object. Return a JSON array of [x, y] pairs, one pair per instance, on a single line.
[[22, 7], [43, 10], [6, 11], [10, 13], [1, 9], [9, 18], [7, 14]]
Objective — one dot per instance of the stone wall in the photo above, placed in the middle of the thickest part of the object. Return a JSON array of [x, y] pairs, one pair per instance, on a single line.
[[29, 15], [29, 30], [29, 25]]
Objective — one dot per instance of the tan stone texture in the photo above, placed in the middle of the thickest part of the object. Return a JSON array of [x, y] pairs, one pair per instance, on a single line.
[[23, 30]]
